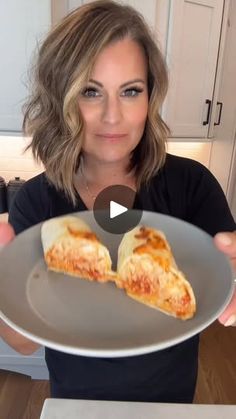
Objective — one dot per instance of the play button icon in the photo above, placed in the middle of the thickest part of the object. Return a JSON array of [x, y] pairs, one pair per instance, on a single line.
[[114, 209]]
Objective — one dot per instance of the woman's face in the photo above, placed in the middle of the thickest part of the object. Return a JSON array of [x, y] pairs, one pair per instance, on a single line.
[[114, 104]]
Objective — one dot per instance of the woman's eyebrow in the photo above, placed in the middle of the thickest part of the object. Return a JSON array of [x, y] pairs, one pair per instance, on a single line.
[[122, 85], [133, 81]]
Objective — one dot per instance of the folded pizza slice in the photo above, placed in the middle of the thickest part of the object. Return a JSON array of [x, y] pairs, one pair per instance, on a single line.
[[70, 246], [148, 272]]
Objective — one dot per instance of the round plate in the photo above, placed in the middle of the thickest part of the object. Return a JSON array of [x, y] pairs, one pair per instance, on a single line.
[[87, 318]]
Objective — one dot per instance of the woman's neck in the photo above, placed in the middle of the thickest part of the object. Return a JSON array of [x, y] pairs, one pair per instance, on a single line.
[[101, 175]]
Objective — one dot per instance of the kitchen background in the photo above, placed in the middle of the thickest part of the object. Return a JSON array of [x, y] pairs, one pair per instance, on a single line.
[[197, 39]]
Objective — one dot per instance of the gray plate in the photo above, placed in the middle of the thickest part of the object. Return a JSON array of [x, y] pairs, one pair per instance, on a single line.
[[87, 318]]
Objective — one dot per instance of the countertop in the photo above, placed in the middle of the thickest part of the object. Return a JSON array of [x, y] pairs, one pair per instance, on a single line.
[[4, 217], [92, 409]]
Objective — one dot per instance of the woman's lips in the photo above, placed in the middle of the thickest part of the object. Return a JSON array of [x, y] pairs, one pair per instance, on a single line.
[[111, 136]]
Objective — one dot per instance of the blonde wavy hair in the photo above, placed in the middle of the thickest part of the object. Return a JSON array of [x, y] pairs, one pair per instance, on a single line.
[[64, 64]]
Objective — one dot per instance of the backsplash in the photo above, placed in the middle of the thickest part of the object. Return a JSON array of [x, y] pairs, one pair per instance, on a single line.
[[14, 162], [200, 151]]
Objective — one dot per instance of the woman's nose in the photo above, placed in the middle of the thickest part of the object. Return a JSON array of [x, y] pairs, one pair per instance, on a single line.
[[112, 112]]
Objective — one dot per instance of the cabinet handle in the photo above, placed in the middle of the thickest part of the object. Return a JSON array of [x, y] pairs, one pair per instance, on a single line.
[[220, 111], [208, 102]]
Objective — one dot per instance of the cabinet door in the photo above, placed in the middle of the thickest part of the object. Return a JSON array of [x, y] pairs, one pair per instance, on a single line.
[[32, 365], [22, 25], [147, 9], [192, 51]]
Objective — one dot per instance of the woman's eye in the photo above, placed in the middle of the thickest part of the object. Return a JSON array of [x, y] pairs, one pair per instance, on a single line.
[[132, 92], [90, 92]]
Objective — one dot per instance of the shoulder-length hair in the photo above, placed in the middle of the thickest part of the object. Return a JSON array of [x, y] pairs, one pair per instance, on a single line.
[[65, 61]]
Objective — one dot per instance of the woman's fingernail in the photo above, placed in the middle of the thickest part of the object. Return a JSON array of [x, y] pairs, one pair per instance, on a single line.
[[231, 321], [224, 239]]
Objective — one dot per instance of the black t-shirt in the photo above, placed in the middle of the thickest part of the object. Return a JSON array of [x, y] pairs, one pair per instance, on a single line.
[[183, 188]]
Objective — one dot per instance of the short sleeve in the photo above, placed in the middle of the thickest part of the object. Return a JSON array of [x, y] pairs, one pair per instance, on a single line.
[[30, 206], [207, 206]]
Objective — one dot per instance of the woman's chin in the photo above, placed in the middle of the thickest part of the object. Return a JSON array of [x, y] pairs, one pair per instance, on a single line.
[[110, 158]]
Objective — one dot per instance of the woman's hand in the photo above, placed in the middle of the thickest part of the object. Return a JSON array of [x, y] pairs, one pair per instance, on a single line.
[[6, 234], [226, 242]]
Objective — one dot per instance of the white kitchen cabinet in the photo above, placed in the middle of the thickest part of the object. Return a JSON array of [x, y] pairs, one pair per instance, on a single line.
[[33, 365], [22, 25], [194, 33], [223, 150]]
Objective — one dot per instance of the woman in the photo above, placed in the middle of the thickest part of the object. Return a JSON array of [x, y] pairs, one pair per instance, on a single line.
[[94, 121]]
